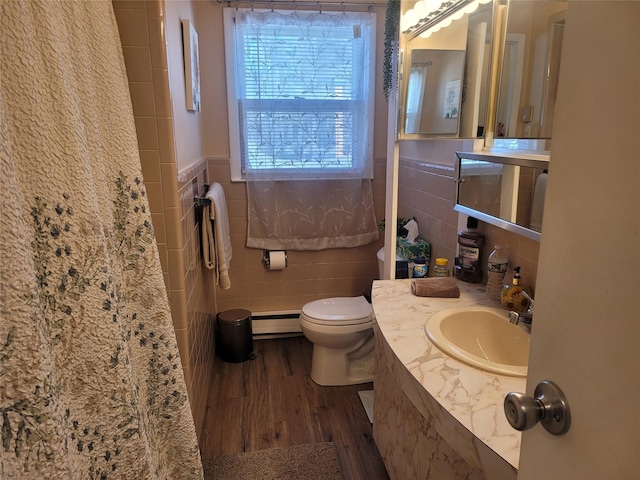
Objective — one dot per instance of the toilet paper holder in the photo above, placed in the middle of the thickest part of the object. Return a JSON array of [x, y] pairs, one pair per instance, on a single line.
[[266, 260]]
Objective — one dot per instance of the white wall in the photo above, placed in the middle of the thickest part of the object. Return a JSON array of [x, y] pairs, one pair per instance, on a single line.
[[186, 124]]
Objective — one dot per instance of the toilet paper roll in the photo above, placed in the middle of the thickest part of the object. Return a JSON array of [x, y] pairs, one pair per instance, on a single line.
[[277, 260]]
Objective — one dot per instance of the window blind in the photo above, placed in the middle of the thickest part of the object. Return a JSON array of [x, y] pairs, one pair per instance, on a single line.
[[303, 84]]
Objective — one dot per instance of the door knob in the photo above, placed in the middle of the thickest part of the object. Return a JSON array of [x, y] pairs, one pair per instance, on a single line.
[[548, 406]]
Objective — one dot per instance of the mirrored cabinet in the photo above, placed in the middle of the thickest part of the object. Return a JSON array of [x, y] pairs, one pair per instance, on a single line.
[[529, 68], [444, 68], [479, 68], [505, 191]]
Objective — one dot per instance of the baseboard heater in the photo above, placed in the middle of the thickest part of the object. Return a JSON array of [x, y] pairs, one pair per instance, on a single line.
[[275, 324]]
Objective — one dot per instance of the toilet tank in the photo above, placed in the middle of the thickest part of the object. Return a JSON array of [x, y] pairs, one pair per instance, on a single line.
[[380, 256]]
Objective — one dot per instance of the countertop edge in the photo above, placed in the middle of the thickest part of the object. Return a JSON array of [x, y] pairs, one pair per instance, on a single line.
[[473, 398]]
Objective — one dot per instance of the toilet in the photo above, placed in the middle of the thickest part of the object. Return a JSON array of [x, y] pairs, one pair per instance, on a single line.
[[380, 256], [341, 330]]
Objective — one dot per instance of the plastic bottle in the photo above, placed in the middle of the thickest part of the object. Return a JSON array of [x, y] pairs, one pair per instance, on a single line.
[[420, 267], [512, 296], [441, 268], [496, 270], [469, 260]]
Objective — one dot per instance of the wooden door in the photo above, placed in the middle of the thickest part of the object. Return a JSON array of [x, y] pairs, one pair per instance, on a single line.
[[586, 332]]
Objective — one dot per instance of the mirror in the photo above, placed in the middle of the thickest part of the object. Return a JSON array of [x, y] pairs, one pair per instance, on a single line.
[[530, 63], [507, 192], [434, 79], [444, 72]]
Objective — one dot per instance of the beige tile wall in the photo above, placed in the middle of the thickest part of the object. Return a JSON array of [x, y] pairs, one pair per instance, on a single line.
[[426, 190], [199, 302], [141, 26], [309, 276], [520, 251]]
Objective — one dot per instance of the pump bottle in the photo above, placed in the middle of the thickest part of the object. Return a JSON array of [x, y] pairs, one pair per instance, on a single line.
[[512, 296]]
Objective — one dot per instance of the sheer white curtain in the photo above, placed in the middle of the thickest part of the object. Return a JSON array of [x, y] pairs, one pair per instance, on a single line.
[[304, 88], [415, 98]]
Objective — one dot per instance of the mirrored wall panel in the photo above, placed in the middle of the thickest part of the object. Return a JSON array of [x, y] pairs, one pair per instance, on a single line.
[[508, 192]]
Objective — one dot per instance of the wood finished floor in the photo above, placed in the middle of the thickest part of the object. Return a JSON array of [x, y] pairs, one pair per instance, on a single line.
[[272, 402]]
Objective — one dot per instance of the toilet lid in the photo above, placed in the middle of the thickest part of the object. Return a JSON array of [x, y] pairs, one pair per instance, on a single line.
[[351, 310]]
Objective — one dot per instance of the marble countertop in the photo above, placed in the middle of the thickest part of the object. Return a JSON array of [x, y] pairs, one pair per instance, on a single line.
[[472, 397]]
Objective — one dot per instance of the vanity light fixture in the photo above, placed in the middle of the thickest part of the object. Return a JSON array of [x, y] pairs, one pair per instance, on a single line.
[[427, 16]]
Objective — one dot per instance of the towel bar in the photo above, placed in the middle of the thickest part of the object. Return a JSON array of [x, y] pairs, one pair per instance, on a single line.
[[202, 200]]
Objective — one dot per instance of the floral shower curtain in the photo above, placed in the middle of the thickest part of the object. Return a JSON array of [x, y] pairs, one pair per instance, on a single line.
[[91, 384]]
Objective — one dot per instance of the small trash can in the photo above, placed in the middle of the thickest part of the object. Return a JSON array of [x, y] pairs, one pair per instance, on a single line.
[[235, 336]]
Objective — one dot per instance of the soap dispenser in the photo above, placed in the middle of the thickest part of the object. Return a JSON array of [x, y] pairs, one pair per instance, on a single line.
[[513, 296]]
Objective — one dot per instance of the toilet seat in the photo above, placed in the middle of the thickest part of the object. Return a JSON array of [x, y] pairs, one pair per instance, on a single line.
[[338, 311]]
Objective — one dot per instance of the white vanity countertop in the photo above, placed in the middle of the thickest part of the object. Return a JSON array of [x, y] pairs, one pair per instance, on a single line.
[[473, 397]]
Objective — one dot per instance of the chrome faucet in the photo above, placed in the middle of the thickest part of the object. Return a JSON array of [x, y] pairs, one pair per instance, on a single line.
[[523, 319]]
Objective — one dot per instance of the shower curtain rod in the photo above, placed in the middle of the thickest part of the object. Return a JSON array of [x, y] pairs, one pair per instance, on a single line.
[[302, 3]]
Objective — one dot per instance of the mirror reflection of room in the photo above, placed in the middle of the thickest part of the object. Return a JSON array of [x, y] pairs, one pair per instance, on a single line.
[[508, 189], [530, 65], [442, 71], [445, 75]]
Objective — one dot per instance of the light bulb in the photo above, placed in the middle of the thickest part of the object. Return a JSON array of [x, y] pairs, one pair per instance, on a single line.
[[411, 18], [446, 22], [421, 9], [433, 5], [472, 7], [408, 20], [426, 34], [458, 15], [404, 24]]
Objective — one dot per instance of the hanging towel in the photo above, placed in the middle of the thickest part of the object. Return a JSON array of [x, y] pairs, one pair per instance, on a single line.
[[216, 240], [537, 204]]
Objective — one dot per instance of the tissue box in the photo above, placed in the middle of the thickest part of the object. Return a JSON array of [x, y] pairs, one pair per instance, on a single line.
[[409, 251]]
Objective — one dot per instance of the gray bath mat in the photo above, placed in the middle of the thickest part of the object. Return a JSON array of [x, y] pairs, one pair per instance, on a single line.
[[317, 461]]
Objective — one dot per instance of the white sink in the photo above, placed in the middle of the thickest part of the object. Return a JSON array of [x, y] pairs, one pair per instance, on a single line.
[[481, 337]]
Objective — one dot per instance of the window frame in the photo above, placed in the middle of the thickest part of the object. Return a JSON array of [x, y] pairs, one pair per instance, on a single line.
[[233, 114]]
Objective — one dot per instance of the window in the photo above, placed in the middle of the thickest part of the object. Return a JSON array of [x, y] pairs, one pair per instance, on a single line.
[[300, 93]]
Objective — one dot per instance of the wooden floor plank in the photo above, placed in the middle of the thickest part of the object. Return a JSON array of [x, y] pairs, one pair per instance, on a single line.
[[271, 401], [225, 435], [297, 409], [260, 430]]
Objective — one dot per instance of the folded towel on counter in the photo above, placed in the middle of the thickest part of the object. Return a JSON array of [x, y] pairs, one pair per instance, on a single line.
[[440, 287], [216, 240]]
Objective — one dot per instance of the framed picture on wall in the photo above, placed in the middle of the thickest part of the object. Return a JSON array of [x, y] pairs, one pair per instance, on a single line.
[[191, 65], [452, 99]]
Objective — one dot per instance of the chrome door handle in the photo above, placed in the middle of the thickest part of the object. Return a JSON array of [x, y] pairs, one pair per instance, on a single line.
[[548, 406]]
